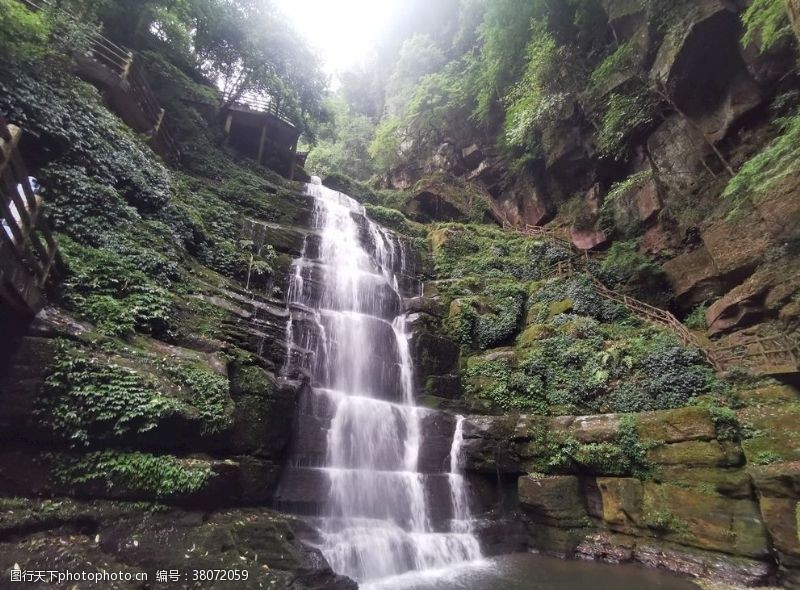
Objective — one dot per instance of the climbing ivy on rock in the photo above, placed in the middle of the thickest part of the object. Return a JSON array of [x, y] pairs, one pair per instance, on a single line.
[[87, 398]]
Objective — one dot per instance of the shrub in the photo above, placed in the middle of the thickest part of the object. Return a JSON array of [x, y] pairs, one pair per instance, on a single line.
[[696, 320], [133, 474], [557, 452], [207, 391], [506, 304], [111, 290], [580, 291], [675, 374], [87, 399], [624, 115], [776, 161], [498, 382], [624, 264]]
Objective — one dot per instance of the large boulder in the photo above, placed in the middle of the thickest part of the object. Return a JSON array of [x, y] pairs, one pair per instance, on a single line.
[[678, 150], [263, 411], [525, 202], [778, 488], [553, 500], [740, 307], [621, 503], [471, 157], [730, 252], [588, 239], [705, 52]]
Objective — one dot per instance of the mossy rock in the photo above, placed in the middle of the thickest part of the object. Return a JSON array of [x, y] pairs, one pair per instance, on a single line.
[[734, 483], [553, 500], [137, 537], [558, 307], [781, 517], [671, 426], [696, 453], [778, 480], [533, 333], [557, 540], [262, 418], [775, 433], [769, 395], [621, 503], [705, 520], [439, 238]]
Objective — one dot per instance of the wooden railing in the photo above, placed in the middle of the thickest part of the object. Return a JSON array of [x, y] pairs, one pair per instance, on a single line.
[[770, 355], [115, 57], [558, 237], [145, 98], [661, 317], [578, 261], [259, 104], [766, 355], [24, 233], [124, 69]]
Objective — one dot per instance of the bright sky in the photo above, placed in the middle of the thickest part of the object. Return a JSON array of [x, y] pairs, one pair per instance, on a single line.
[[343, 31]]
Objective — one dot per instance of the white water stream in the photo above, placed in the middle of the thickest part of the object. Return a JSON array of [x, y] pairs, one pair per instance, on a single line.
[[377, 520]]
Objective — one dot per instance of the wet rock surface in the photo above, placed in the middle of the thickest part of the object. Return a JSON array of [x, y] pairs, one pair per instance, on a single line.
[[700, 511], [118, 537]]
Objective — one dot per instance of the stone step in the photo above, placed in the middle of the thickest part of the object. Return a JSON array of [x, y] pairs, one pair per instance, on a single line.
[[307, 490]]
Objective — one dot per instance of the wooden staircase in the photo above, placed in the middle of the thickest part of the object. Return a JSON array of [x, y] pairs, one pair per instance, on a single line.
[[29, 256], [118, 73], [774, 355], [763, 355]]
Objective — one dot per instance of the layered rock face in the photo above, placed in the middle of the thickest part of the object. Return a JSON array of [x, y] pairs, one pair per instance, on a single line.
[[666, 192], [705, 507], [199, 425]]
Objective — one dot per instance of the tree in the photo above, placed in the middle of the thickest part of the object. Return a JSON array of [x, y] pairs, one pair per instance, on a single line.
[[248, 50], [419, 56], [344, 141], [793, 8]]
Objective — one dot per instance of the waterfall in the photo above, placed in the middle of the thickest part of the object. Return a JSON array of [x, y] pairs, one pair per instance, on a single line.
[[374, 503]]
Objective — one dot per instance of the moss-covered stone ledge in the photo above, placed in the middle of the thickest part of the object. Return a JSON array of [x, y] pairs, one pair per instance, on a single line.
[[188, 480], [666, 488], [135, 537]]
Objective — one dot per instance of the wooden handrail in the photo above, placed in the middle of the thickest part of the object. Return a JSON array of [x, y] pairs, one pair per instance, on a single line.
[[260, 104], [24, 230], [121, 62], [640, 309]]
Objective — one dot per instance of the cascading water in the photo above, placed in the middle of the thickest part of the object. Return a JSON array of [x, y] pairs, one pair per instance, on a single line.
[[350, 337]]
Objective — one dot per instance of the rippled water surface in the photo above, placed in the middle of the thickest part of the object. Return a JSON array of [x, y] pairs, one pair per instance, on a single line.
[[536, 572]]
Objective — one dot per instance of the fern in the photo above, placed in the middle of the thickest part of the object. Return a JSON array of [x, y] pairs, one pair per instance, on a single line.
[[767, 21]]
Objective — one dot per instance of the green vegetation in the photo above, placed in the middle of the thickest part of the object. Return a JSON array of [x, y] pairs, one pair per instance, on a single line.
[[623, 58], [207, 392], [98, 393], [775, 162], [624, 115], [558, 452], [573, 351], [88, 398], [625, 265], [343, 142], [132, 475], [696, 320], [767, 22]]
